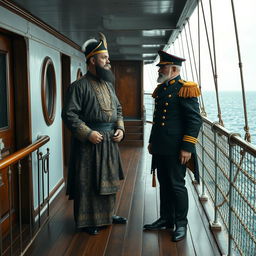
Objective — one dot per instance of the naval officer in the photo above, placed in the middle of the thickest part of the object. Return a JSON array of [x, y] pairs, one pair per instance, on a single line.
[[176, 124]]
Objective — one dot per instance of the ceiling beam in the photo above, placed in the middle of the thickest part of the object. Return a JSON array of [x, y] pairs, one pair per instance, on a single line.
[[123, 40], [116, 56], [185, 15], [134, 50], [149, 22]]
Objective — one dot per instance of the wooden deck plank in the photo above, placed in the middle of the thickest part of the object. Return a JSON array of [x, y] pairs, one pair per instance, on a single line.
[[66, 235], [118, 231], [138, 201], [166, 246], [133, 236], [150, 246], [200, 216], [56, 226], [97, 245], [126, 156]]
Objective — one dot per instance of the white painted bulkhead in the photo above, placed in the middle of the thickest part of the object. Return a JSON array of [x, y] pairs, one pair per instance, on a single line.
[[42, 44]]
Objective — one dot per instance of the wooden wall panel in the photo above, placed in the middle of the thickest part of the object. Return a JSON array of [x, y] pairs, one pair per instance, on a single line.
[[129, 87], [66, 134], [23, 131]]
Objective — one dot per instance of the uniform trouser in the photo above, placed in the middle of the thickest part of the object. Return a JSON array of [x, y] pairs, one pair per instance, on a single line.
[[173, 193]]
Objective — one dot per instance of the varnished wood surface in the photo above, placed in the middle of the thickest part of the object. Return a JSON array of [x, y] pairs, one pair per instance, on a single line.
[[128, 87], [137, 201]]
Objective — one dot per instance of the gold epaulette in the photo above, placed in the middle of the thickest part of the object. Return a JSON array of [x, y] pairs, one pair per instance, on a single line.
[[189, 89]]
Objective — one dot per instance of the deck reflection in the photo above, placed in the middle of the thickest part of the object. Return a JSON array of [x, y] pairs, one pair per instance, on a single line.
[[137, 201]]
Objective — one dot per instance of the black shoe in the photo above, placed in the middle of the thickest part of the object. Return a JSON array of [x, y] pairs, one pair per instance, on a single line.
[[158, 224], [119, 220], [91, 230], [179, 234]]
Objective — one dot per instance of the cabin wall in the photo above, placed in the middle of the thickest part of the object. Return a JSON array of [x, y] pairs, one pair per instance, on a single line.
[[37, 53], [75, 65], [41, 44]]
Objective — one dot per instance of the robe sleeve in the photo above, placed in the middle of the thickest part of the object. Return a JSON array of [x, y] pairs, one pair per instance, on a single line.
[[120, 121], [72, 109]]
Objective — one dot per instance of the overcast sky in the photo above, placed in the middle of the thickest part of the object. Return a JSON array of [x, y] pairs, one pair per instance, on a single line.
[[226, 49]]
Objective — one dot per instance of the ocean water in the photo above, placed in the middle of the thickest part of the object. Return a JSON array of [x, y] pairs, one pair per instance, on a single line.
[[232, 110]]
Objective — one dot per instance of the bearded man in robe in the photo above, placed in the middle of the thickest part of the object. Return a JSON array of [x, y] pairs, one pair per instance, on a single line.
[[93, 114]]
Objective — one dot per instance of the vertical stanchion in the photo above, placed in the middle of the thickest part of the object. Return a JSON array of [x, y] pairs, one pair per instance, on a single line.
[[48, 177], [20, 204], [1, 237], [42, 176], [38, 187], [215, 225], [203, 196], [30, 197], [10, 204], [231, 171]]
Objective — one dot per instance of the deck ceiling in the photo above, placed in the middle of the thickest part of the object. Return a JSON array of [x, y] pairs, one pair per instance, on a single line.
[[135, 29]]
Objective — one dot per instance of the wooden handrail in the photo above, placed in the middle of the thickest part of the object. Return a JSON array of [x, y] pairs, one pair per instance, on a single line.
[[234, 138], [15, 157]]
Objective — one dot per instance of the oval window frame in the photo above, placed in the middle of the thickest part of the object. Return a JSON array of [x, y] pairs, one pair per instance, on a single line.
[[79, 73], [49, 118]]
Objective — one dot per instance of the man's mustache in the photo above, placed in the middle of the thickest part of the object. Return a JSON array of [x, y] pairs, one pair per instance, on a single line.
[[107, 66]]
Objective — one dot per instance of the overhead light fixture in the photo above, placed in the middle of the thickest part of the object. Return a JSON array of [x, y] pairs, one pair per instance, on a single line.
[[151, 45], [144, 55], [155, 32]]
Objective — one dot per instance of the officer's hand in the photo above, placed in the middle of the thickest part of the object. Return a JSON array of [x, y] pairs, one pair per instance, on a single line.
[[184, 156], [95, 137], [119, 134], [150, 148]]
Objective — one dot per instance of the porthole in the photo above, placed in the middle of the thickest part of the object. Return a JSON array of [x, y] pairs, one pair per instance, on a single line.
[[79, 73], [48, 91]]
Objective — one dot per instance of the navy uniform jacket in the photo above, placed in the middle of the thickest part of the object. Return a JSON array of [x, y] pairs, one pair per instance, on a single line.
[[177, 119]]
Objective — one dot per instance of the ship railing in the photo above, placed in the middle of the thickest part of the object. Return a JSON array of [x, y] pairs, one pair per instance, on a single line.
[[227, 189], [21, 219]]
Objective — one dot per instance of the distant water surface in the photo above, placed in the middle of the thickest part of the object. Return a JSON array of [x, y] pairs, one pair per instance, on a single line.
[[232, 110]]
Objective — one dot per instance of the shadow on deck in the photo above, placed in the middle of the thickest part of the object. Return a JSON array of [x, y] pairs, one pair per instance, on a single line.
[[137, 201]]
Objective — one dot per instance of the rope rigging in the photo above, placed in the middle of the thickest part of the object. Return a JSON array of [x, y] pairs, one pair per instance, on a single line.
[[196, 67], [215, 74], [246, 127], [203, 111], [183, 52], [192, 70]]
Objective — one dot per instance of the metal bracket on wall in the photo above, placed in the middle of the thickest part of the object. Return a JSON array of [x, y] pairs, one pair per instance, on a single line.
[[1, 147]]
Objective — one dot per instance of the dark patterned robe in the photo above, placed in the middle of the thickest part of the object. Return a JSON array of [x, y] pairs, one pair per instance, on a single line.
[[94, 169]]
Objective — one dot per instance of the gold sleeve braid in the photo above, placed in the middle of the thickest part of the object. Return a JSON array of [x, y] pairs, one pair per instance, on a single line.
[[190, 139], [83, 131], [120, 124]]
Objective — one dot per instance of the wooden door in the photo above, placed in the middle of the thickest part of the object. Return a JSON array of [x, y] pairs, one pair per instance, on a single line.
[[65, 77], [7, 132], [128, 86]]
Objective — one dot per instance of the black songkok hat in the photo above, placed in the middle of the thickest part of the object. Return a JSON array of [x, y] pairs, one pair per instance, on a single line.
[[169, 59], [92, 47]]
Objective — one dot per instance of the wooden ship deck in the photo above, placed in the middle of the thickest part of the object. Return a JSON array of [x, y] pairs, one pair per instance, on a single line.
[[139, 202]]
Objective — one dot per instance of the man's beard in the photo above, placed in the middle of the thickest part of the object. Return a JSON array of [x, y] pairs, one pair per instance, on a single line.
[[162, 78], [105, 74]]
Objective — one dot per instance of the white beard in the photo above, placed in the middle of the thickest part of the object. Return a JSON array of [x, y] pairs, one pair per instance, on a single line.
[[162, 78]]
